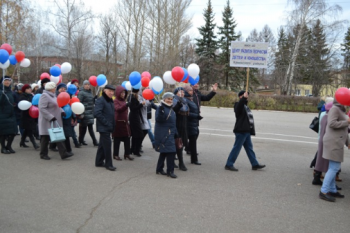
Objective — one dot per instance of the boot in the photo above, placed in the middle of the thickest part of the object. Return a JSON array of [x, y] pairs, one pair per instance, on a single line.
[[32, 139], [9, 143], [3, 147], [128, 157], [317, 178], [22, 142], [182, 166]]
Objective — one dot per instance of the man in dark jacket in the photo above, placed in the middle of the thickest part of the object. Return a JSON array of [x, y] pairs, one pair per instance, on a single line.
[[104, 114], [243, 130], [198, 97]]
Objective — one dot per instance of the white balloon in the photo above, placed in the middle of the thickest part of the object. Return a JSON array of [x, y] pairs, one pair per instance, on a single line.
[[55, 79], [128, 86], [5, 65], [39, 83], [157, 84], [66, 67], [104, 84], [78, 108], [24, 105], [25, 63], [168, 78], [193, 70]]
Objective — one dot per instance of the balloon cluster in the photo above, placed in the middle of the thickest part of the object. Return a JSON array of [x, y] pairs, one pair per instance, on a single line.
[[56, 72], [25, 105], [6, 57], [99, 80], [70, 105]]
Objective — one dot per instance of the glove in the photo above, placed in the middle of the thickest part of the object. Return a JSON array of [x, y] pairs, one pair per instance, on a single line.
[[53, 119], [200, 117], [63, 114], [161, 108]]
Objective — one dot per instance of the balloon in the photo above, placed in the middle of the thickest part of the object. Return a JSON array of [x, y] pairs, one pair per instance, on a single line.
[[76, 93], [44, 75], [7, 47], [134, 78], [157, 92], [137, 86], [186, 80], [34, 112], [193, 70], [128, 86], [58, 65], [13, 60], [104, 84], [185, 75], [35, 100], [342, 95], [145, 81], [19, 56], [101, 79], [4, 56], [63, 99], [55, 71], [74, 100], [123, 84], [148, 94], [168, 78], [66, 68], [146, 74], [55, 79], [39, 83], [5, 65], [24, 105], [67, 109], [193, 81], [60, 79], [93, 81], [78, 108], [157, 84], [72, 89], [25, 63], [177, 73]]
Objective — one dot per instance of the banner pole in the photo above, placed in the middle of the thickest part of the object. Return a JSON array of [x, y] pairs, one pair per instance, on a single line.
[[247, 86]]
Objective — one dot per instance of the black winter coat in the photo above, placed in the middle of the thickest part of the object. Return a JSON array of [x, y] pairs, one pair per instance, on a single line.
[[198, 97], [104, 114], [193, 118], [88, 100], [27, 122], [8, 122], [40, 90], [242, 120], [135, 117], [17, 97], [149, 109]]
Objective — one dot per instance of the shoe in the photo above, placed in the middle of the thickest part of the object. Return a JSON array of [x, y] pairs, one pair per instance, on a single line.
[[100, 165], [67, 155], [77, 145], [96, 144], [172, 175], [141, 151], [175, 166], [111, 168], [161, 173], [5, 151], [337, 178], [22, 144], [54, 149], [337, 194], [196, 163], [36, 146], [138, 155], [45, 157], [326, 197], [182, 167], [83, 143], [338, 188], [128, 157], [117, 158], [10, 150], [232, 168], [317, 178], [256, 167]]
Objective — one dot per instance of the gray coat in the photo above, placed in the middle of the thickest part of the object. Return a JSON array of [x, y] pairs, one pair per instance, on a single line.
[[336, 135], [87, 99], [144, 122], [48, 109]]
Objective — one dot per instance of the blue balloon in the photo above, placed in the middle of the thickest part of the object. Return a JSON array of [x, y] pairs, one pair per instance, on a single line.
[[13, 60], [134, 78], [193, 81], [137, 86], [55, 71], [35, 100], [185, 74], [68, 110], [157, 92], [72, 89], [123, 84], [4, 56], [101, 79]]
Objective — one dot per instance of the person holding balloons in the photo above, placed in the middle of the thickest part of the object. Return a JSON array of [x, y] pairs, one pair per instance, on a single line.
[[8, 123], [27, 118]]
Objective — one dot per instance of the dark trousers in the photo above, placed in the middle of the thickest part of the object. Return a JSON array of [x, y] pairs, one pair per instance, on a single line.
[[104, 151], [170, 161], [74, 136], [192, 146], [44, 143], [136, 142], [67, 144], [28, 133], [116, 145], [82, 132]]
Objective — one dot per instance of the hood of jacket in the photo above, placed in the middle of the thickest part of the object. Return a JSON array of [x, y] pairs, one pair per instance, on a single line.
[[118, 91]]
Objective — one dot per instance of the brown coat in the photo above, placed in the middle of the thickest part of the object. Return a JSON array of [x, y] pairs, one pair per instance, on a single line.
[[336, 135], [48, 109], [122, 128]]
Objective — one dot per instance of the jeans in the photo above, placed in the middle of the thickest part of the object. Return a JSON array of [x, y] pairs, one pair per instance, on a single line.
[[150, 134], [329, 179], [242, 139]]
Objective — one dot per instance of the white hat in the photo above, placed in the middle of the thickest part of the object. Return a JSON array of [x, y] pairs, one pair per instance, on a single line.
[[50, 86], [34, 85], [329, 100]]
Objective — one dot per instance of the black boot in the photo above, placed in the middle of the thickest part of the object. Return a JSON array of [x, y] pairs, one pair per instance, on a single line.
[[3, 147], [22, 142], [9, 143], [32, 139], [317, 178], [182, 166]]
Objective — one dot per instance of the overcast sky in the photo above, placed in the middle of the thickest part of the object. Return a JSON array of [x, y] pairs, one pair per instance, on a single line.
[[249, 14]]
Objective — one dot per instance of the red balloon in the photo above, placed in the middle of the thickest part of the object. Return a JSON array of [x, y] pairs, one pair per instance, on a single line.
[[34, 111], [63, 99], [145, 81], [7, 47], [148, 94], [19, 56], [186, 80], [60, 80], [58, 65], [342, 95], [177, 73], [44, 75], [76, 93], [74, 100], [146, 74], [93, 81]]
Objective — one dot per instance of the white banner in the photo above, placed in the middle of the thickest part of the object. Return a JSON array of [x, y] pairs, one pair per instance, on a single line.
[[249, 54]]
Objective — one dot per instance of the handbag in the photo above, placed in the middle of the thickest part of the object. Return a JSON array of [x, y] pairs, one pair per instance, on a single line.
[[315, 124], [178, 143], [56, 134]]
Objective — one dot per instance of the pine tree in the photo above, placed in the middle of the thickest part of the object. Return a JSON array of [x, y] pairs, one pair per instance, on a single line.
[[282, 57], [346, 54], [207, 47]]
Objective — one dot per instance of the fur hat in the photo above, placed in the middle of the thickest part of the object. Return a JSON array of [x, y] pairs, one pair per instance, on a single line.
[[34, 85], [167, 95], [25, 87], [45, 80], [50, 85], [74, 81]]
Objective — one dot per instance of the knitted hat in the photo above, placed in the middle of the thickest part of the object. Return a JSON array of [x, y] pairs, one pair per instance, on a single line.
[[134, 90], [241, 93], [86, 82], [44, 80], [188, 88], [167, 95], [34, 85], [19, 86], [74, 81], [177, 90], [6, 78], [59, 86], [25, 87], [50, 85]]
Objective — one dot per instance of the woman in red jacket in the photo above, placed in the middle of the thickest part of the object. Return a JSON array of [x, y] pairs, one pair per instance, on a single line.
[[122, 130]]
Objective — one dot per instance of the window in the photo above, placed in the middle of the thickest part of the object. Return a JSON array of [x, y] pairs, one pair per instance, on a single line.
[[307, 92], [297, 92]]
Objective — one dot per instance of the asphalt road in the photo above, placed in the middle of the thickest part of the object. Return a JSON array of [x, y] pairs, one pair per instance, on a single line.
[[74, 196]]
